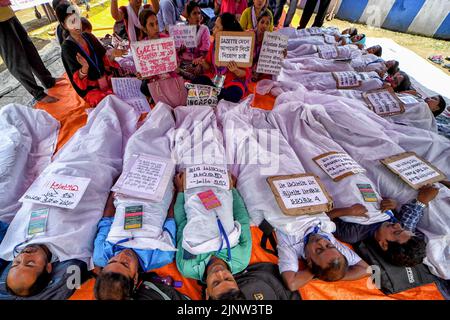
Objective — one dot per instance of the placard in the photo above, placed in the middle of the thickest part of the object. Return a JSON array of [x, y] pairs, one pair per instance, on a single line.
[[271, 53], [209, 199], [384, 102], [202, 95], [145, 176], [338, 165], [207, 175], [414, 170], [327, 52], [153, 57], [300, 194], [408, 99], [56, 190], [234, 46], [347, 79], [129, 90], [329, 38], [184, 34]]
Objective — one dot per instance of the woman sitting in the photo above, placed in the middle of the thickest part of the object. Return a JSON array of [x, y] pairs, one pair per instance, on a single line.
[[235, 7], [264, 23], [187, 55], [250, 16], [87, 63], [234, 79]]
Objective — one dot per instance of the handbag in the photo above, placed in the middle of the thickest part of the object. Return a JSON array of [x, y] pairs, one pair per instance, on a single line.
[[171, 91]]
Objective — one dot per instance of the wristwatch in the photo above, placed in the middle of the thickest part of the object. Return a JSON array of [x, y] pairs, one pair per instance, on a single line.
[[420, 204]]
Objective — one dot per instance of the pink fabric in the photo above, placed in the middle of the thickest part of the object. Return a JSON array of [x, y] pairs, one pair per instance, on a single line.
[[233, 7], [5, 3]]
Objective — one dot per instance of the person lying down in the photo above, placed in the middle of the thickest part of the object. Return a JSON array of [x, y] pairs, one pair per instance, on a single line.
[[305, 236]]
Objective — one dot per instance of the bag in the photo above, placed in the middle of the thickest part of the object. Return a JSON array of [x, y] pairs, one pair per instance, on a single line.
[[268, 235], [157, 291], [171, 91], [395, 279], [262, 281]]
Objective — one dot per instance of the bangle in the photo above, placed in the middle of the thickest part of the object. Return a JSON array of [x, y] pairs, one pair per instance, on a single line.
[[82, 74], [420, 204]]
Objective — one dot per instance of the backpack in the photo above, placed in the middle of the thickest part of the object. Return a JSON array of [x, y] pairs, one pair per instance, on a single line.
[[151, 290], [262, 281], [394, 279], [268, 235]]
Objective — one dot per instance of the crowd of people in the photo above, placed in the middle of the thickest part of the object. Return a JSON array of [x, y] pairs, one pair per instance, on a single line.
[[312, 115]]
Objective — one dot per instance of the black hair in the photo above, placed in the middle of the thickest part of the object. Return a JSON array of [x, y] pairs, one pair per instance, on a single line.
[[334, 271], [56, 3], [354, 33], [405, 84], [442, 104], [229, 22], [113, 286], [191, 6], [379, 50], [394, 68], [144, 15], [233, 294], [264, 13], [406, 254], [63, 10], [85, 24]]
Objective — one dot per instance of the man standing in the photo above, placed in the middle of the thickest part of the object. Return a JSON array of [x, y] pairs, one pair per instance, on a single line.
[[21, 56], [308, 11]]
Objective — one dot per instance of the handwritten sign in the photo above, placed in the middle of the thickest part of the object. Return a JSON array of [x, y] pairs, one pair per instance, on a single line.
[[145, 176], [184, 35], [209, 199], [338, 165], [408, 99], [271, 54], [300, 194], [207, 175], [56, 190], [129, 90], [384, 102], [153, 57], [329, 38], [347, 79], [201, 95], [327, 52], [412, 169], [234, 46]]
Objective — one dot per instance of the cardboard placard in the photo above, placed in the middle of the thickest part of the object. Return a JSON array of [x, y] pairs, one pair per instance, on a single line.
[[146, 177], [202, 95], [57, 190], [338, 165], [184, 34], [234, 46], [347, 79], [205, 175], [153, 57], [327, 52], [271, 54], [384, 102], [129, 90], [413, 170], [299, 194]]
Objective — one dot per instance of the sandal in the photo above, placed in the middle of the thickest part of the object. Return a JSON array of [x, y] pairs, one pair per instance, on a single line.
[[436, 59]]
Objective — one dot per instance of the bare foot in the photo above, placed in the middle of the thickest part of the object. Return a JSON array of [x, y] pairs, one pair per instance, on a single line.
[[49, 99]]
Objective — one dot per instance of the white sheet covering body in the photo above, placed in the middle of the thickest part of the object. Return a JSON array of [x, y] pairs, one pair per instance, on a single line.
[[198, 140], [368, 139], [292, 119], [260, 151], [154, 137], [315, 64], [95, 151], [27, 142]]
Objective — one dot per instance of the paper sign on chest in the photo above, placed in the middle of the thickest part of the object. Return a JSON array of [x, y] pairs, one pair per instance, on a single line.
[[129, 90], [384, 102], [347, 79], [153, 57], [327, 52], [207, 176], [338, 165]]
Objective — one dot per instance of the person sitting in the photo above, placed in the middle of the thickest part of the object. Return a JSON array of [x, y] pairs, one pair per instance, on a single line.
[[127, 23], [397, 241], [187, 55], [168, 15], [234, 85], [89, 66], [234, 7], [250, 16], [215, 268]]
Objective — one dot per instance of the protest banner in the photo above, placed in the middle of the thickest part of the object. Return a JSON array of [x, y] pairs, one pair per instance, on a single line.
[[184, 34], [205, 175], [234, 46], [384, 102], [153, 57], [271, 54], [337, 165]]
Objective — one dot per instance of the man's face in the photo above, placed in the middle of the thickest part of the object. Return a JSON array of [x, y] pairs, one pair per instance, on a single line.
[[321, 251], [26, 268], [125, 263], [433, 103], [393, 232], [219, 280]]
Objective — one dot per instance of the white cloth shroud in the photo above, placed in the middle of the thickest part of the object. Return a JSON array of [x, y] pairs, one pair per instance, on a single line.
[[154, 137], [260, 151], [96, 152], [27, 142], [198, 140]]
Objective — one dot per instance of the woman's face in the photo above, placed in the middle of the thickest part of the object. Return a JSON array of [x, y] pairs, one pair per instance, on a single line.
[[259, 4], [357, 38], [151, 27], [73, 23], [217, 26], [195, 18], [264, 24]]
